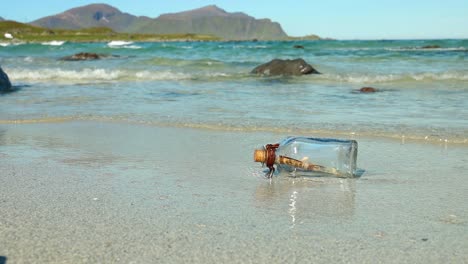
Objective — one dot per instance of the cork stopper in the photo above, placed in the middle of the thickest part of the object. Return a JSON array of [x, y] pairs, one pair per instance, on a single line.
[[260, 155]]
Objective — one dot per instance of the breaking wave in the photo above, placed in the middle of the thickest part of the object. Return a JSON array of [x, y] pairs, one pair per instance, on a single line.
[[123, 44], [54, 43], [425, 76], [119, 43], [438, 49], [90, 75]]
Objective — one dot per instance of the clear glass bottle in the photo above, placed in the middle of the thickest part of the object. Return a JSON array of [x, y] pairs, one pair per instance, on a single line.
[[310, 156]]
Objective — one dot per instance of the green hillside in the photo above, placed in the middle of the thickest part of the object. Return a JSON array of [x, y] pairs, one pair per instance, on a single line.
[[25, 32]]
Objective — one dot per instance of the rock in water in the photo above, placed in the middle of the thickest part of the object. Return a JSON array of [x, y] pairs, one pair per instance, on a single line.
[[285, 67], [5, 84], [82, 56], [367, 90], [431, 47]]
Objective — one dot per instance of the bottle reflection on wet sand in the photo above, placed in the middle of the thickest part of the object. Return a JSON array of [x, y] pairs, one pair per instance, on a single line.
[[306, 199]]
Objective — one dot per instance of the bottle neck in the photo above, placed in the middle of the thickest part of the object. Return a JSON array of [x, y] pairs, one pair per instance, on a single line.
[[270, 158]]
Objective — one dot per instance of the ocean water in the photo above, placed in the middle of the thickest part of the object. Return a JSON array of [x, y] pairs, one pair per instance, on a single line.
[[422, 93]]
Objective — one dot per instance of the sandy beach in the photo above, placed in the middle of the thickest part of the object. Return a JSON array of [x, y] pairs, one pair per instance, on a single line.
[[97, 192]]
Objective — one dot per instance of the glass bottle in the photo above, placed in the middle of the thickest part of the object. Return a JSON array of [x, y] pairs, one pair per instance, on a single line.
[[310, 156]]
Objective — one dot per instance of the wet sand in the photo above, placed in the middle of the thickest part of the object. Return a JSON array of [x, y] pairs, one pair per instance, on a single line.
[[87, 192]]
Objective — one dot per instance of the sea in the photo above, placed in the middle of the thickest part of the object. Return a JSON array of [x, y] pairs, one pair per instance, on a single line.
[[422, 86]]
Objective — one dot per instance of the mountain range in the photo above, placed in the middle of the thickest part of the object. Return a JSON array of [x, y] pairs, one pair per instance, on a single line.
[[210, 20]]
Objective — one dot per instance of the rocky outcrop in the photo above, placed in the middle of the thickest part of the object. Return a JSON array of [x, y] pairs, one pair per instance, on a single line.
[[5, 84], [82, 56], [431, 47], [285, 67], [367, 90]]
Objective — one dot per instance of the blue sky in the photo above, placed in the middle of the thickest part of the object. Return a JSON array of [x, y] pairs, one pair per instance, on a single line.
[[341, 19]]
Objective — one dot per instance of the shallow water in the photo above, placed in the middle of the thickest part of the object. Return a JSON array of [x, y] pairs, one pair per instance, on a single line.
[[422, 92]]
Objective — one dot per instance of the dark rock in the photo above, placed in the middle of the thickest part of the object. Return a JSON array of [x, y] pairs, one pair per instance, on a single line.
[[5, 84], [367, 90], [298, 46], [82, 56], [88, 56], [431, 47], [285, 67]]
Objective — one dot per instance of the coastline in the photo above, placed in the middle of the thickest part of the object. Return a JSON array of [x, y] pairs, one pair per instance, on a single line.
[[86, 191], [154, 40], [28, 34], [401, 138]]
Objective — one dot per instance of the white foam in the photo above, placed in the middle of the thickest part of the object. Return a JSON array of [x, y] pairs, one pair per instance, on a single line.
[[122, 44], [161, 75], [54, 43], [119, 43], [89, 75], [355, 78], [132, 47], [14, 43], [427, 49], [64, 75], [28, 59]]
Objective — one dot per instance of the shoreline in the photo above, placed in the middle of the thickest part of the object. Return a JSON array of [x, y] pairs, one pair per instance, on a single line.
[[154, 40], [170, 39], [401, 139]]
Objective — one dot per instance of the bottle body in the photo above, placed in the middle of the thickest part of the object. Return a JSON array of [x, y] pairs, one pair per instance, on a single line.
[[313, 156]]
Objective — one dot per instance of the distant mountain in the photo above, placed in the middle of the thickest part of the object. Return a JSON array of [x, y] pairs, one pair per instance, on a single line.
[[210, 20], [94, 15], [1, 19], [215, 21]]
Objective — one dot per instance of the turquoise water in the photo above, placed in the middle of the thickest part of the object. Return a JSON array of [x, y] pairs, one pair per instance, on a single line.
[[423, 93]]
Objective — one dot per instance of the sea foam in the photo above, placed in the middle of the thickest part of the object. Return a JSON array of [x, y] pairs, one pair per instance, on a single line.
[[396, 77], [90, 75], [54, 43], [115, 43]]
